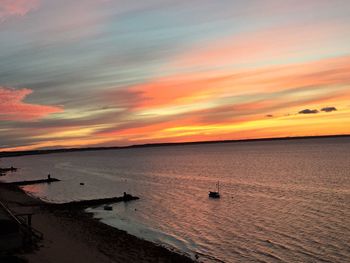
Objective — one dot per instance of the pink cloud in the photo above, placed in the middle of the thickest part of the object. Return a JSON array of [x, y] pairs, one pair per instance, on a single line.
[[16, 7], [12, 106], [256, 48]]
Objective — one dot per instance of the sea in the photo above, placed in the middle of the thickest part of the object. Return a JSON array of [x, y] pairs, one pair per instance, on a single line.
[[281, 201]]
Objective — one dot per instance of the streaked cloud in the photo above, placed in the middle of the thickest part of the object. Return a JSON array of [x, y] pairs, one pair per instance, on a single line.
[[16, 7], [243, 90], [13, 107]]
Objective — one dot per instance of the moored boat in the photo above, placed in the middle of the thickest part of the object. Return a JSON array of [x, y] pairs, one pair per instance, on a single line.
[[215, 194]]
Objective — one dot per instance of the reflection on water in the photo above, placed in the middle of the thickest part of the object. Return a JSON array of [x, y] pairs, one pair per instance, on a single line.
[[280, 201]]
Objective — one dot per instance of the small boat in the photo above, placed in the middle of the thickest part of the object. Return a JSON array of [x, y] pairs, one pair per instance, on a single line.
[[213, 194], [108, 207]]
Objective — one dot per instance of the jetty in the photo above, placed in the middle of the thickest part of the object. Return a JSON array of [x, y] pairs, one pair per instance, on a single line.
[[3, 171], [40, 181], [94, 202], [10, 169]]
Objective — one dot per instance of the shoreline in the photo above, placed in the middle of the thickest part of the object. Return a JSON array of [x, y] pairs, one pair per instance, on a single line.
[[88, 239]]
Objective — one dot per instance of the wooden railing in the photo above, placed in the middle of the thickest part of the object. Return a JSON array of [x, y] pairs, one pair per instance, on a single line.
[[24, 222]]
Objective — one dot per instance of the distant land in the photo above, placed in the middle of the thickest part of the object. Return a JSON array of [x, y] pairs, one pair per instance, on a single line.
[[36, 152]]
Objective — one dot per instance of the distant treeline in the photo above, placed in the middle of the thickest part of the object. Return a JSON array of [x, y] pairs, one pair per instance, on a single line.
[[36, 152]]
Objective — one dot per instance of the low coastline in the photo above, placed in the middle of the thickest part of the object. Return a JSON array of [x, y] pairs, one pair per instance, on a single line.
[[72, 235], [4, 154]]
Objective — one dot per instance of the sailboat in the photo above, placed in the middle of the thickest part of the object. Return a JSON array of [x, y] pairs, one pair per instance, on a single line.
[[215, 194]]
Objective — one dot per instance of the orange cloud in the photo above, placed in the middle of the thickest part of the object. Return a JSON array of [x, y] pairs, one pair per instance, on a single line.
[[12, 106], [212, 88], [245, 120], [174, 89], [16, 7], [220, 104]]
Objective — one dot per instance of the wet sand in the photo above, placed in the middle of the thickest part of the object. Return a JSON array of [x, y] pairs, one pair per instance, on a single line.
[[71, 235]]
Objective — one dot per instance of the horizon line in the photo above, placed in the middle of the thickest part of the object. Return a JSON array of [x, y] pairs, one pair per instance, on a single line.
[[97, 148]]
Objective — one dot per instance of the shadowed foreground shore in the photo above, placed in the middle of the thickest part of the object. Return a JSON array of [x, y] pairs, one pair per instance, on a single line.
[[71, 235]]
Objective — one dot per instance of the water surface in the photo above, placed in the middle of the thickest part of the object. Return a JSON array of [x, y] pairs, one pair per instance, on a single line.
[[282, 201]]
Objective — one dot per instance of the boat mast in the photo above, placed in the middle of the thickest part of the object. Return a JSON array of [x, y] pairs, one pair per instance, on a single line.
[[218, 186]]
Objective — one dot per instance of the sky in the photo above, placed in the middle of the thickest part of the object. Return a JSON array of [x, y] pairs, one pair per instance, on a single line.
[[88, 73]]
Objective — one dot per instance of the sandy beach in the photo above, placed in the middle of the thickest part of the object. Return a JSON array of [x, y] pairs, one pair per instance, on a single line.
[[71, 235]]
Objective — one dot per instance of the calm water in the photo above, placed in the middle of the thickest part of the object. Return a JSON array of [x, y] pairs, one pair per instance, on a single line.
[[282, 201]]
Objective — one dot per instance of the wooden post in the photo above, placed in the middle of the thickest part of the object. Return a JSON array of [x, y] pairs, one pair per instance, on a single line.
[[30, 220]]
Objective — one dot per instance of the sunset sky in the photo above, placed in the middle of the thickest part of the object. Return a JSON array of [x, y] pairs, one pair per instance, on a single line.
[[113, 72]]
